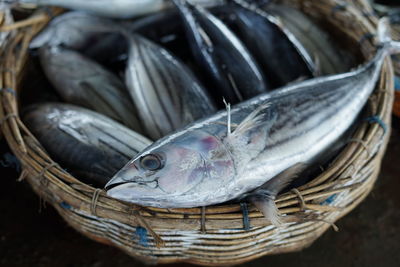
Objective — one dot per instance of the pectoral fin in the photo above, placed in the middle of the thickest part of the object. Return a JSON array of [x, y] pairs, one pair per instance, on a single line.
[[264, 197]]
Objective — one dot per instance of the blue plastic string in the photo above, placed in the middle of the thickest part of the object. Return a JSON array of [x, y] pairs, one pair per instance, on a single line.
[[339, 7], [141, 233], [8, 90], [365, 37], [397, 83], [376, 119], [246, 220], [65, 205], [329, 200], [10, 161]]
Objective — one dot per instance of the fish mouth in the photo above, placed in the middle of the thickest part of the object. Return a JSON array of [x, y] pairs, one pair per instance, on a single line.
[[111, 186], [153, 184]]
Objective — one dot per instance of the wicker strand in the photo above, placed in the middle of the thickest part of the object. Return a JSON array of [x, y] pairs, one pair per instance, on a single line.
[[302, 202], [9, 70], [142, 222], [41, 174], [7, 117], [95, 199], [22, 176], [334, 226], [362, 143], [203, 220]]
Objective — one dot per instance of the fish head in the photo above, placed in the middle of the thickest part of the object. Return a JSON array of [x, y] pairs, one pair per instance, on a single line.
[[174, 172]]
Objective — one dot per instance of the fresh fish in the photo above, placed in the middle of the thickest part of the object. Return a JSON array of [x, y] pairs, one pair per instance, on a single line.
[[258, 145], [318, 44], [115, 8], [88, 144], [165, 92], [73, 30], [222, 54], [279, 53], [83, 82]]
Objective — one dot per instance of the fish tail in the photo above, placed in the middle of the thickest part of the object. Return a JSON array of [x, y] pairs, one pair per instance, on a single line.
[[384, 37]]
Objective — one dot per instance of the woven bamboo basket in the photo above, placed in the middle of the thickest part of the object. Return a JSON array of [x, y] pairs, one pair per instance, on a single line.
[[215, 235]]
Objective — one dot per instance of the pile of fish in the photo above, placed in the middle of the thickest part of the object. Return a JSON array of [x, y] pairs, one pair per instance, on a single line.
[[201, 103]]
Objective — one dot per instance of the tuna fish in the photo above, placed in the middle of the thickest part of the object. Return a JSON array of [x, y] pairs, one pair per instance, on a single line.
[[255, 148], [228, 62], [83, 82], [327, 56], [165, 92], [87, 144], [114, 8], [279, 53]]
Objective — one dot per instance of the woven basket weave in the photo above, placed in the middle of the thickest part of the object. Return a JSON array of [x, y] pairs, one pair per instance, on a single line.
[[224, 234]]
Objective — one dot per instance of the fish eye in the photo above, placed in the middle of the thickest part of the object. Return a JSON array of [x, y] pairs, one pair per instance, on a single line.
[[151, 162]]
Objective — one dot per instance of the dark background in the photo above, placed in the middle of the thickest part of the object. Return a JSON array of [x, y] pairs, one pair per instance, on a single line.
[[368, 236]]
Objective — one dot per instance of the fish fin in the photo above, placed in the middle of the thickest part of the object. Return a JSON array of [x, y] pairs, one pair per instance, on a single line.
[[228, 111], [264, 197], [251, 121], [266, 205]]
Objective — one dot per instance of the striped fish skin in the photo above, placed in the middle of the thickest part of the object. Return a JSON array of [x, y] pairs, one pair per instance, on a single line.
[[316, 41], [167, 95], [86, 143], [207, 163], [83, 82], [226, 60], [277, 51], [115, 8]]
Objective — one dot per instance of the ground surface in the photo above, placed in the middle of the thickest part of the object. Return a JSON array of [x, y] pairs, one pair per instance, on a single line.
[[368, 236]]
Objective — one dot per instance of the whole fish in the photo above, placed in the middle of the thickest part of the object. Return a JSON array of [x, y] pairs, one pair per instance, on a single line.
[[279, 53], [165, 92], [328, 58], [115, 8], [88, 144], [83, 82], [259, 145], [222, 54]]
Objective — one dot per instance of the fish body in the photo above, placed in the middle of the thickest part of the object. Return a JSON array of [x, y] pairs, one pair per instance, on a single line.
[[83, 82], [86, 143], [280, 54], [262, 140], [74, 30], [316, 42], [115, 8], [226, 60], [166, 93]]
